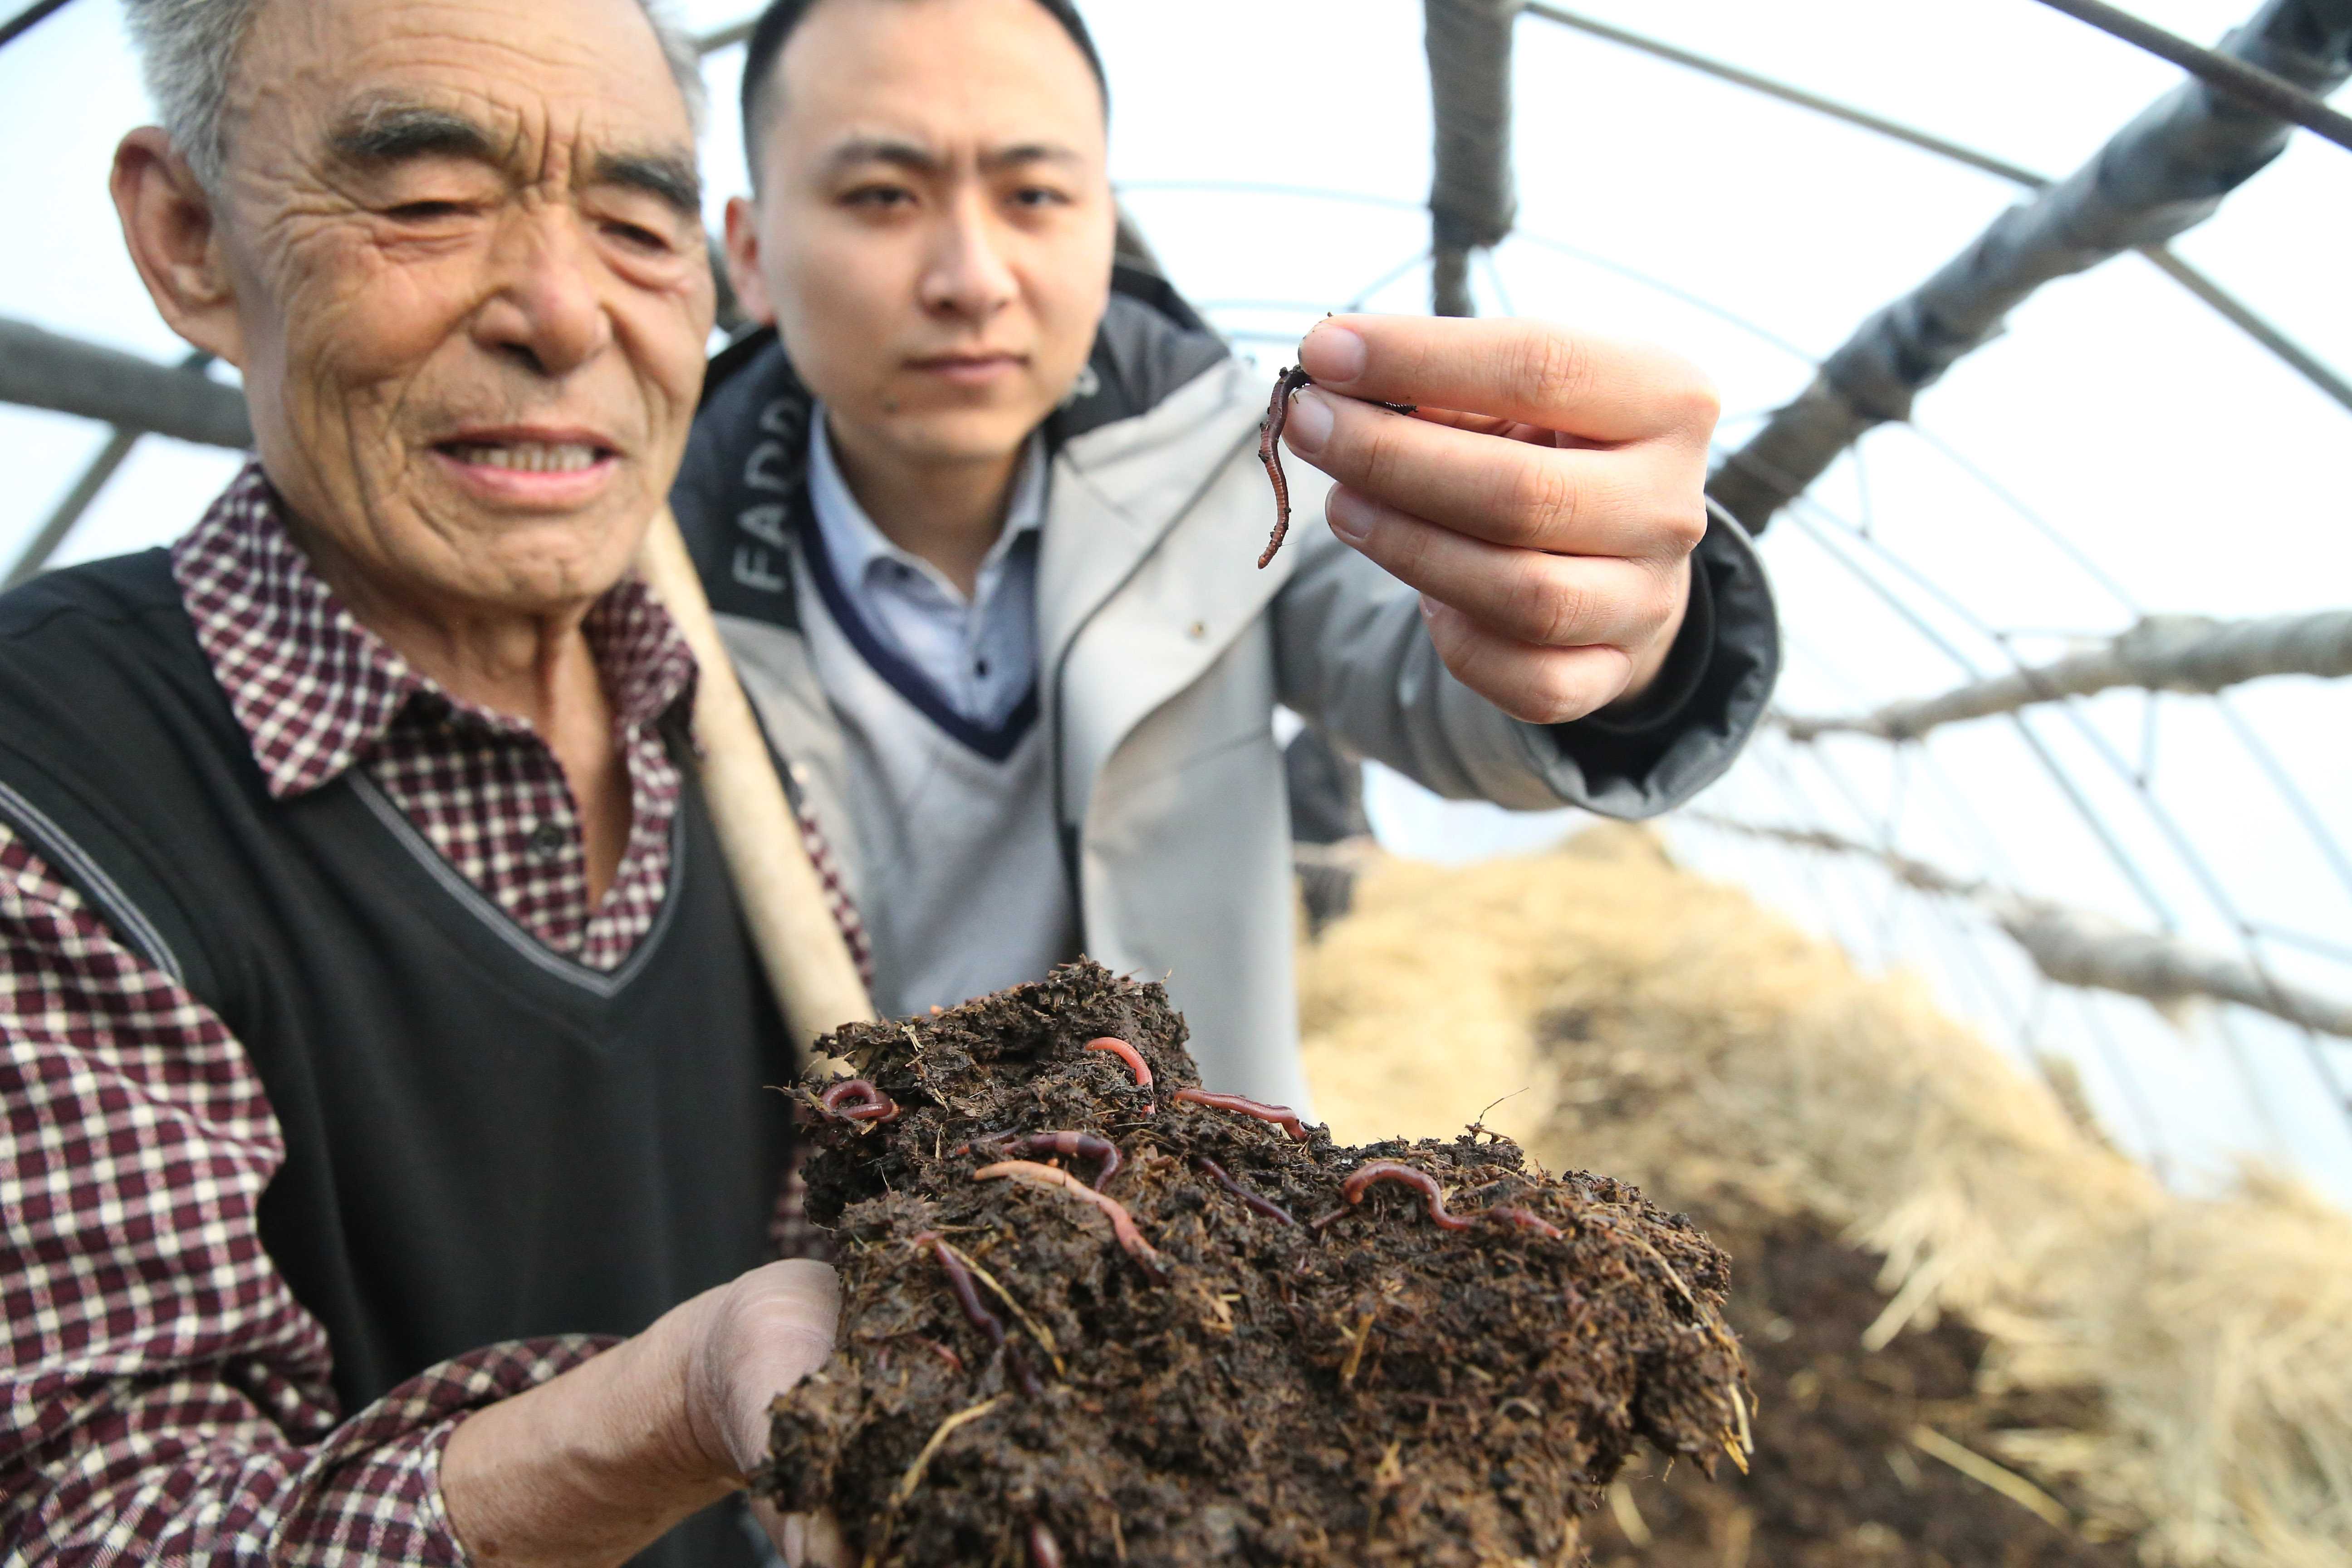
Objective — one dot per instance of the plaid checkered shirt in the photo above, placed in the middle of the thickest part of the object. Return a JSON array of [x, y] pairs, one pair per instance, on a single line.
[[167, 1399]]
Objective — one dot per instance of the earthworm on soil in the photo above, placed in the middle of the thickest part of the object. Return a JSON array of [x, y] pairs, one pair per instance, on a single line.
[[1366, 1176], [1217, 1174], [1122, 1224], [1069, 1145], [1526, 1219], [960, 1281], [1126, 1052], [1045, 1551], [1281, 1116], [874, 1105]]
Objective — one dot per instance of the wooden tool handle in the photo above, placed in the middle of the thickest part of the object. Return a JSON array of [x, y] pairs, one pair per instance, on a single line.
[[800, 946]]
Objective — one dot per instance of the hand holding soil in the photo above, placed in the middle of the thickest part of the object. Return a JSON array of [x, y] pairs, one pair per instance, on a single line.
[[1092, 1313]]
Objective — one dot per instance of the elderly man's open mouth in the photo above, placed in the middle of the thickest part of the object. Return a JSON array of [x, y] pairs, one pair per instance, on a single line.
[[531, 465]]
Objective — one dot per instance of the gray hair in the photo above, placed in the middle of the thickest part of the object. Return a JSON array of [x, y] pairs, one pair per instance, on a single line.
[[189, 49]]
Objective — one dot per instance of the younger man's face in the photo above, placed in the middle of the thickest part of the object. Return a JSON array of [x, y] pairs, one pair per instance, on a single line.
[[933, 231]]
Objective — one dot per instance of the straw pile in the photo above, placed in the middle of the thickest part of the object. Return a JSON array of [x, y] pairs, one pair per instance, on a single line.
[[1668, 1031]]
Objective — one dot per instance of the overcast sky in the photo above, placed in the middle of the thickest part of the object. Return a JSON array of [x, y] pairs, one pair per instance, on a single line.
[[2192, 470]]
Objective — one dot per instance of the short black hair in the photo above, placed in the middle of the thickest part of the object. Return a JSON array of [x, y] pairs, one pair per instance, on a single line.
[[777, 24]]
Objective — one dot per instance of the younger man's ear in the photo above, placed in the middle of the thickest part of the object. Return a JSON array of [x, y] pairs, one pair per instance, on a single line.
[[743, 263], [169, 226]]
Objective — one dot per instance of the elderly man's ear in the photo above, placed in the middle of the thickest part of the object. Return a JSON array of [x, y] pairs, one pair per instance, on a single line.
[[169, 227]]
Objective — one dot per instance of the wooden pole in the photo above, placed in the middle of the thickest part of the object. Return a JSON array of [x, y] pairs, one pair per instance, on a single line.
[[800, 945]]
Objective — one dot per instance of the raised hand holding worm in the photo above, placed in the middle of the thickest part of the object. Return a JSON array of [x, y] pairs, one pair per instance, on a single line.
[[1544, 498]]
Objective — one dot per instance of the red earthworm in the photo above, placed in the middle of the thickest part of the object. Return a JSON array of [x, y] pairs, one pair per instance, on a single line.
[[1045, 1551], [872, 1104], [1126, 1052], [1069, 1145], [1354, 1187], [945, 1352], [1526, 1219], [986, 1321], [1218, 1174], [1122, 1224], [1269, 452], [960, 1281], [1281, 1116]]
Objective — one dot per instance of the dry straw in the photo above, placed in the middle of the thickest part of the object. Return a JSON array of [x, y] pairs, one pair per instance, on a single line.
[[1669, 1031]]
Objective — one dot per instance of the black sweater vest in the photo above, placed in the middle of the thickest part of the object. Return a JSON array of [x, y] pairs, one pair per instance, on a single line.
[[484, 1140]]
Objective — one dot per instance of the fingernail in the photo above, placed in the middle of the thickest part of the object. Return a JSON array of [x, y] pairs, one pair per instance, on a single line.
[[1351, 516], [1428, 608], [1333, 353], [1310, 424]]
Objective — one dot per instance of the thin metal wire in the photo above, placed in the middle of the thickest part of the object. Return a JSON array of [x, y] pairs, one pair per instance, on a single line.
[[2249, 84], [2123, 860], [2296, 801], [2166, 261], [52, 533], [2249, 940], [1495, 281], [1756, 330], [1265, 188], [1724, 72], [2135, 1101]]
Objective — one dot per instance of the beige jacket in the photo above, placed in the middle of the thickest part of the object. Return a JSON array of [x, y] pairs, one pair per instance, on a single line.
[[1163, 651]]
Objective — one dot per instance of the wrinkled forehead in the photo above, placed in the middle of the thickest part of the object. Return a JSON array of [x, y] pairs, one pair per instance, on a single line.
[[545, 78]]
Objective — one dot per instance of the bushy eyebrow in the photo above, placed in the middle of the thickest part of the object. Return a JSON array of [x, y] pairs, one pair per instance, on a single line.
[[665, 177], [383, 132], [380, 132]]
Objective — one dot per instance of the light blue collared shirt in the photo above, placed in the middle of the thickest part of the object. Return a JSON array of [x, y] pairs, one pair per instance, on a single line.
[[980, 652]]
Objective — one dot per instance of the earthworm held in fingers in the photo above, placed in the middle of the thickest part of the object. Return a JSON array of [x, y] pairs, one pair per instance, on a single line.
[[1282, 1116], [1256, 1204], [856, 1100], [1122, 1224], [1269, 452]]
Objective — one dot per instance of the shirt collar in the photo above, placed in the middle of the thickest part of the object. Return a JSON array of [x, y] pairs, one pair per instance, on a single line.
[[857, 546], [314, 690]]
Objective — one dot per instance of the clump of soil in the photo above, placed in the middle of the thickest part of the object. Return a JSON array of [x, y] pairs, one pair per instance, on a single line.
[[1840, 1476], [1227, 1387]]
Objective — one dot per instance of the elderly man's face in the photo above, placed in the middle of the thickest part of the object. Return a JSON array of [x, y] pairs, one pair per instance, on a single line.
[[471, 292], [934, 226]]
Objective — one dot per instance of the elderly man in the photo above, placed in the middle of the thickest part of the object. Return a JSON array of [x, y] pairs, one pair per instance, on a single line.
[[983, 514], [382, 1044]]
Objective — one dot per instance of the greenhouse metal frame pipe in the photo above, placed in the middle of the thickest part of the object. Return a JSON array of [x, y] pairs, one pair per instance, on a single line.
[[41, 369], [2250, 84], [2193, 654], [2162, 257], [1473, 198], [2166, 172], [25, 20], [2081, 947]]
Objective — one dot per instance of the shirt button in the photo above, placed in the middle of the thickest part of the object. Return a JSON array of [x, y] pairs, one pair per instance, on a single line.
[[548, 839]]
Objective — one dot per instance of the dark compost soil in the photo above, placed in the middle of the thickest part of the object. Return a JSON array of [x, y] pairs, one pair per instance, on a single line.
[[1231, 1388], [1840, 1478]]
